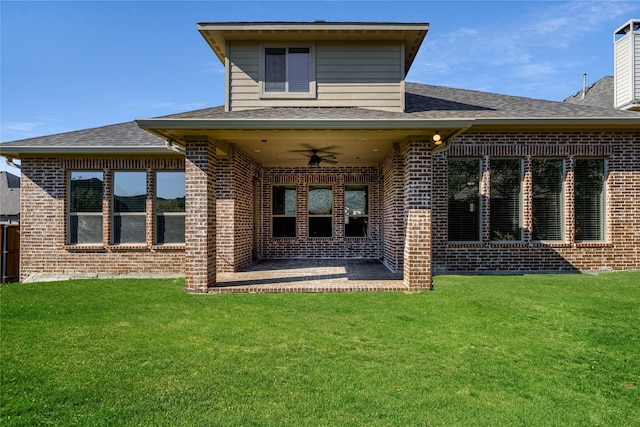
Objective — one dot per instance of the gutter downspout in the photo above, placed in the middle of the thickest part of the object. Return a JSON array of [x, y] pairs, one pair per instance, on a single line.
[[9, 161], [174, 147]]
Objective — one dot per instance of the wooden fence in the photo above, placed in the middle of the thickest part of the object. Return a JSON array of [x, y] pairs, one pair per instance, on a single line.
[[10, 257]]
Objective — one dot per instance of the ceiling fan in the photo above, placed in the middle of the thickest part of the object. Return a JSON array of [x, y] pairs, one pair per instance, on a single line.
[[315, 158]]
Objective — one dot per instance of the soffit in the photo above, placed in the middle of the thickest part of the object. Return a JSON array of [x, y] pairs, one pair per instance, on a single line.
[[218, 35], [292, 147]]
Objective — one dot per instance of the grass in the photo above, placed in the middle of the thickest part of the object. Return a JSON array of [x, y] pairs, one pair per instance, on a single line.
[[550, 350]]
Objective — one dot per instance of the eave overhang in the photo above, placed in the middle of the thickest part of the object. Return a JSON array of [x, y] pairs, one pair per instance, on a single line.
[[218, 34], [18, 151], [161, 127]]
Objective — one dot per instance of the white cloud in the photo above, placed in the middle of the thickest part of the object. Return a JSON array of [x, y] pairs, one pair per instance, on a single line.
[[26, 127], [526, 52]]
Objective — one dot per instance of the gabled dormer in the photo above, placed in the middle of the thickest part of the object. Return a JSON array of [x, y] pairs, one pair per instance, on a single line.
[[317, 64]]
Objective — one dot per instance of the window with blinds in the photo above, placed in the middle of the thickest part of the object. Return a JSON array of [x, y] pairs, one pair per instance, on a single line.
[[84, 224], [129, 207], [463, 190], [589, 175], [287, 70], [547, 198], [505, 199]]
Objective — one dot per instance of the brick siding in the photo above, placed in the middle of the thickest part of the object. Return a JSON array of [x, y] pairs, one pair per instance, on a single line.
[[400, 204], [620, 250], [338, 246], [43, 233]]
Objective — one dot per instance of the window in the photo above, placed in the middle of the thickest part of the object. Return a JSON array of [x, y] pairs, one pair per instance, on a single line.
[[356, 211], [547, 179], [506, 202], [320, 212], [287, 70], [283, 211], [85, 207], [129, 207], [170, 197], [589, 199], [464, 200]]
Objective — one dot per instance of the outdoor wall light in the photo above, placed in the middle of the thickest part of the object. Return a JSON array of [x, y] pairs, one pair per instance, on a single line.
[[437, 139]]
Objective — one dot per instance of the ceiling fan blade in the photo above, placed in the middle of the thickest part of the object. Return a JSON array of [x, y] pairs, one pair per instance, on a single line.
[[310, 149], [333, 162]]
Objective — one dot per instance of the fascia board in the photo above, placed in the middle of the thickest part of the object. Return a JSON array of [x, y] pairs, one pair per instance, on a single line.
[[605, 121], [17, 150], [206, 124]]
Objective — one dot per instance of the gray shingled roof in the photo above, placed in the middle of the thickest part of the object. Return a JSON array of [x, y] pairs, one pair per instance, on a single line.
[[425, 102], [122, 135], [599, 94], [9, 194], [428, 101], [422, 102]]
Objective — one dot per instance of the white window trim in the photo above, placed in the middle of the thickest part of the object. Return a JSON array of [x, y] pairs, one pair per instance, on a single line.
[[311, 94]]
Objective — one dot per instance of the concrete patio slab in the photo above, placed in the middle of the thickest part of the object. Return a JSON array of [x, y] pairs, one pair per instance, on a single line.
[[310, 275]]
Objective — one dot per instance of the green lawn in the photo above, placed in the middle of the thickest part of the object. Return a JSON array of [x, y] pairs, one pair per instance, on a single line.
[[534, 350]]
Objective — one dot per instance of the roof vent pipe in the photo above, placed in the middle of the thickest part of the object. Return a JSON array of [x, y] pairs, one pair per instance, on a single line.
[[584, 85]]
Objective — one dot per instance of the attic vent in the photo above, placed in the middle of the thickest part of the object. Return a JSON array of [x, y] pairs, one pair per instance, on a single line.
[[626, 46]]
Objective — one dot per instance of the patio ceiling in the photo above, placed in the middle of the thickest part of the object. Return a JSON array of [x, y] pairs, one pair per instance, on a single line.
[[291, 147]]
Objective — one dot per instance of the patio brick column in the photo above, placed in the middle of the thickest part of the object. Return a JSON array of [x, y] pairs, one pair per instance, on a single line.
[[417, 210], [200, 216]]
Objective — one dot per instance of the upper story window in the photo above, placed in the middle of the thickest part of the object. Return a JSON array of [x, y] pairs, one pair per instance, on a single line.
[[287, 71]]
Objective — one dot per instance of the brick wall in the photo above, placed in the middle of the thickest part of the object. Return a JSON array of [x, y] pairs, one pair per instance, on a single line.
[[417, 214], [392, 184], [43, 223], [44, 186], [337, 246], [235, 209], [620, 251]]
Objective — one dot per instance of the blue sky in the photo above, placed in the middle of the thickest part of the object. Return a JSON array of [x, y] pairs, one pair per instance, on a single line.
[[75, 65]]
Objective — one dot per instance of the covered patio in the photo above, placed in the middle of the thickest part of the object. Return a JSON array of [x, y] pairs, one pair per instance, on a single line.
[[310, 275]]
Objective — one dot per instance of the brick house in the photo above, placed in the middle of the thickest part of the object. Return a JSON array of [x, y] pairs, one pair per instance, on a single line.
[[322, 150]]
